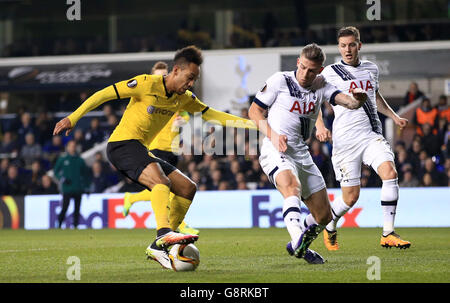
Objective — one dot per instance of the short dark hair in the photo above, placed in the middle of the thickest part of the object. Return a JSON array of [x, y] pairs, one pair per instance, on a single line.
[[314, 53], [159, 65], [349, 31], [188, 54]]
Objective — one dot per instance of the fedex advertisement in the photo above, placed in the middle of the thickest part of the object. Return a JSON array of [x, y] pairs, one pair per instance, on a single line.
[[417, 207]]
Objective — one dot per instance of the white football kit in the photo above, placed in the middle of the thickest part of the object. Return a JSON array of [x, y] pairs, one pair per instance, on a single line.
[[357, 134], [292, 111]]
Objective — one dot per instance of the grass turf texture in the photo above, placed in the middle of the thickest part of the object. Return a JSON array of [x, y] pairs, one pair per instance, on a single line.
[[227, 255]]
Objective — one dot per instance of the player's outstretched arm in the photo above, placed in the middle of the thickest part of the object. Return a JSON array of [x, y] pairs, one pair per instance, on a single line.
[[100, 97], [257, 114], [322, 133], [224, 119], [384, 108], [352, 102]]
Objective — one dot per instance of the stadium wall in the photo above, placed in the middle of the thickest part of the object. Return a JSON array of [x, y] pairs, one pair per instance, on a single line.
[[418, 207]]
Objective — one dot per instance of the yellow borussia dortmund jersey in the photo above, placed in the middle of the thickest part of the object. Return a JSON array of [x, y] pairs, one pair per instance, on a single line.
[[149, 109], [168, 138]]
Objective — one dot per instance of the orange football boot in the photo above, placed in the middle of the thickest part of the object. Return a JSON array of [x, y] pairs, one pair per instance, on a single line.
[[330, 240], [394, 240]]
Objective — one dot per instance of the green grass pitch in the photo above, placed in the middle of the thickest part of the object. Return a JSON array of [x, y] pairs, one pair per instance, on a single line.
[[227, 256]]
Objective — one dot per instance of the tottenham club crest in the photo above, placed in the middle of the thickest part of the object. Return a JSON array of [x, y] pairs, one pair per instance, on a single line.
[[132, 83]]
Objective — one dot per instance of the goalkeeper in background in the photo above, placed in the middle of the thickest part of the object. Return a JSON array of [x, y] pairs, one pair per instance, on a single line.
[[165, 146], [154, 99]]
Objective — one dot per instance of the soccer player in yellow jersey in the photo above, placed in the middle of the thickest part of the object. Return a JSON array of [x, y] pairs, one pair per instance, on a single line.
[[164, 146], [154, 100]]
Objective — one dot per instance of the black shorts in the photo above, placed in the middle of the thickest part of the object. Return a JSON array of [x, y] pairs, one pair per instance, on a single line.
[[167, 156], [130, 157]]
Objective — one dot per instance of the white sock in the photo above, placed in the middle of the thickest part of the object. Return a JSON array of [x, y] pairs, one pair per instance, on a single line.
[[292, 218], [389, 198], [338, 209]]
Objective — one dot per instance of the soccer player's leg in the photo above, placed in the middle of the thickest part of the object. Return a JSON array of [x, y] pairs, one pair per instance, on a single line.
[[154, 177], [184, 190], [379, 155], [129, 199], [389, 198], [348, 174]]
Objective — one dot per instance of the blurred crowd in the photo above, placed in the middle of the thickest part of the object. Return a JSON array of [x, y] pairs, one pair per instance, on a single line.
[[28, 151], [243, 35]]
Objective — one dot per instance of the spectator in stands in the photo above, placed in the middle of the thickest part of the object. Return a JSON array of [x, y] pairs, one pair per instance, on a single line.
[[31, 150], [224, 185], [252, 175], [438, 178], [427, 180], [402, 161], [442, 130], [46, 187], [44, 126], [216, 177], [26, 128], [264, 183], [74, 176], [409, 180], [320, 159], [78, 137], [35, 176], [425, 114], [94, 134], [414, 152], [9, 145], [413, 94], [99, 179], [113, 121], [53, 149], [430, 141], [13, 184], [443, 108], [4, 164]]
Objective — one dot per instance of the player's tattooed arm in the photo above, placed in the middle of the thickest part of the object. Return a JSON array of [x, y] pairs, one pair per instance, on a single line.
[[355, 101], [384, 108]]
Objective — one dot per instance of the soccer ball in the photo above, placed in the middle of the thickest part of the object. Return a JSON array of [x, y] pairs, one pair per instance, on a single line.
[[184, 257]]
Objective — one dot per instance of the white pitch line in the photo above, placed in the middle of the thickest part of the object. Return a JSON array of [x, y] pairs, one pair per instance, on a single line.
[[22, 250]]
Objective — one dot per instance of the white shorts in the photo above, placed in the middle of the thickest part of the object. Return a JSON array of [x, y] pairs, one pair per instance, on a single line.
[[347, 165], [301, 164]]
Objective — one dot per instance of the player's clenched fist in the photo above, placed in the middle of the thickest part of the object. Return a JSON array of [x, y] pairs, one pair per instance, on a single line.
[[63, 125], [323, 134]]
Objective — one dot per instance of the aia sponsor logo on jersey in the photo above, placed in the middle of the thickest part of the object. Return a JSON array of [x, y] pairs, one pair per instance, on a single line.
[[303, 108], [360, 84]]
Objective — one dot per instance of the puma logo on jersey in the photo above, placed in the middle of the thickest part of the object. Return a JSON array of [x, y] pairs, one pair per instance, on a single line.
[[305, 109], [354, 84]]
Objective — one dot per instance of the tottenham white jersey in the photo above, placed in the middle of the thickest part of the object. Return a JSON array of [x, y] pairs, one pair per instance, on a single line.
[[292, 109], [349, 125]]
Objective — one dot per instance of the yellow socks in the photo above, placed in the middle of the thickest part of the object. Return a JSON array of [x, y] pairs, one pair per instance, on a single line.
[[144, 195], [178, 209], [160, 202]]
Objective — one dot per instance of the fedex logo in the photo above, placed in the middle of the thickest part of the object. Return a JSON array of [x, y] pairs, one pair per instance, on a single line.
[[304, 109], [110, 216], [275, 215]]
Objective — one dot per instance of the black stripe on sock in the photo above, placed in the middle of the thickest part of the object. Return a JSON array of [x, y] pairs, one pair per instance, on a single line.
[[295, 209], [389, 203], [334, 213]]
